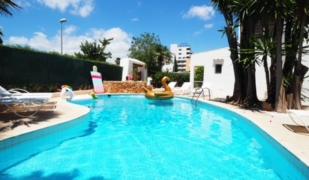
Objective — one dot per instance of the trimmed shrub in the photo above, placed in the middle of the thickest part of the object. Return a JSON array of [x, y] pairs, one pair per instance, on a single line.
[[179, 77], [40, 71], [198, 76]]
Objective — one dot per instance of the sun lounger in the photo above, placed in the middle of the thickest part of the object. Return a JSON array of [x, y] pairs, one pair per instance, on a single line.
[[296, 128], [300, 119], [20, 101], [184, 89], [22, 94]]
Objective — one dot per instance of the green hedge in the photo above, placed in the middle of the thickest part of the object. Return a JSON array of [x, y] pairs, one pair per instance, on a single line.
[[178, 77], [39, 71]]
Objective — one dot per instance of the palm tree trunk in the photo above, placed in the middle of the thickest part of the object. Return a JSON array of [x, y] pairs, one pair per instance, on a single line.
[[290, 47], [251, 97], [247, 33], [232, 40], [272, 85], [300, 70], [237, 67], [280, 98], [266, 73]]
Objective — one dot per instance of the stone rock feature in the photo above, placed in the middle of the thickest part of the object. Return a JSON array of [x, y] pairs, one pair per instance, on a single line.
[[124, 86]]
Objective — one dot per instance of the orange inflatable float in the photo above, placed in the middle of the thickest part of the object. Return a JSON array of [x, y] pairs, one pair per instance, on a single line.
[[156, 95]]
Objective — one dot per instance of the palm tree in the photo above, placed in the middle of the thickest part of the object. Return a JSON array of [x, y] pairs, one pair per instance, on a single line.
[[271, 20], [280, 103], [6, 6], [290, 16], [231, 25], [246, 12], [258, 11], [301, 10]]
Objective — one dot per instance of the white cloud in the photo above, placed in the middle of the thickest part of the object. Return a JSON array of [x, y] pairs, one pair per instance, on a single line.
[[119, 46], [61, 5], [208, 26], [81, 8], [202, 12], [70, 29], [135, 19], [201, 31], [197, 33], [21, 40]]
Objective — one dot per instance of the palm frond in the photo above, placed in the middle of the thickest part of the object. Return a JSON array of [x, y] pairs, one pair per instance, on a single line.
[[6, 6]]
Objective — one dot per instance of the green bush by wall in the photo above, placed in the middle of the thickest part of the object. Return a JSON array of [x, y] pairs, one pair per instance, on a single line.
[[180, 78], [39, 71]]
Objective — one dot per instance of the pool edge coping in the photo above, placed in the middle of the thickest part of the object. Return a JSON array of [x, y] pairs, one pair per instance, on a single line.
[[50, 123]]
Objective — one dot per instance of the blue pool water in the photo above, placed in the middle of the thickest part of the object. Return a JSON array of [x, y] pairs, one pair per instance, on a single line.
[[129, 137]]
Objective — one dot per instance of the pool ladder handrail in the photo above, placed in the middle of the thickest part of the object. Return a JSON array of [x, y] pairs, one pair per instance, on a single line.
[[198, 92]]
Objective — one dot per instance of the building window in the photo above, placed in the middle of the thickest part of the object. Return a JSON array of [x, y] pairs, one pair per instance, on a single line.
[[218, 68]]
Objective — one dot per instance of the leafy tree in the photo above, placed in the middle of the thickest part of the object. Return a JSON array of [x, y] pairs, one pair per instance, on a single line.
[[163, 55], [199, 75], [148, 48], [94, 50]]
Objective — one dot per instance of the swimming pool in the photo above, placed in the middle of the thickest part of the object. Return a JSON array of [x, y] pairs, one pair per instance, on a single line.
[[130, 137]]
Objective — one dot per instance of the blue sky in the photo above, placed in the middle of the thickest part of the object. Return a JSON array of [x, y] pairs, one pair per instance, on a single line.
[[175, 21]]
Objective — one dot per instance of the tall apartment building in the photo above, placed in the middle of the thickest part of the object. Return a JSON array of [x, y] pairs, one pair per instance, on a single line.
[[182, 53]]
